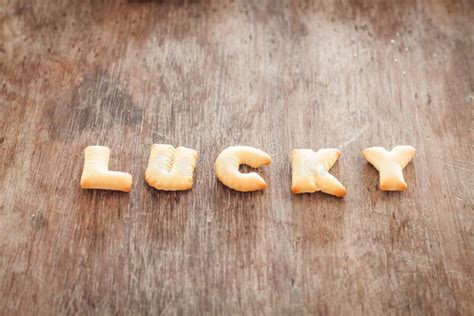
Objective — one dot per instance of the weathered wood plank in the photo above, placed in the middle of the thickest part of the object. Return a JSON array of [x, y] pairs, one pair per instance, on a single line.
[[276, 75]]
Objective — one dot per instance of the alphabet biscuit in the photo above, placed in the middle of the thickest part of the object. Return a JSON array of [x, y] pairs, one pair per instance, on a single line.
[[310, 171], [170, 168], [390, 165], [96, 173], [227, 168]]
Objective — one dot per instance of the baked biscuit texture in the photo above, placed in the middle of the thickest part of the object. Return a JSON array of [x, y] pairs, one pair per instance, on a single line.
[[227, 168], [96, 173], [390, 165], [310, 171], [171, 169]]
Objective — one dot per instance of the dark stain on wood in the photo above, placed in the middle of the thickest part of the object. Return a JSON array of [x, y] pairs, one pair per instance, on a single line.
[[97, 103]]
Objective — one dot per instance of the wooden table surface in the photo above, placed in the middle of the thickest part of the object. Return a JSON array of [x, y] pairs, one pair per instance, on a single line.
[[276, 75]]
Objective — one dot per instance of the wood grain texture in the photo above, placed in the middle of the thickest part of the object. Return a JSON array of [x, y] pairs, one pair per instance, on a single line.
[[276, 75]]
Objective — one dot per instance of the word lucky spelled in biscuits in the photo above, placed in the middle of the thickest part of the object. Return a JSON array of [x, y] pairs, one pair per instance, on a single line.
[[172, 169]]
